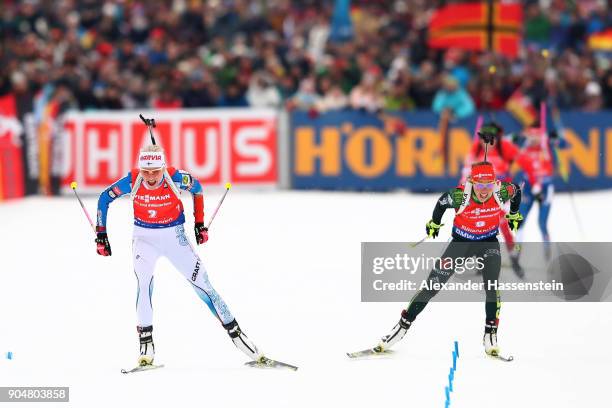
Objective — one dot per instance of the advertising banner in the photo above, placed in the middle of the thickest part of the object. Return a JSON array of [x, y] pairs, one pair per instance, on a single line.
[[355, 150], [216, 146]]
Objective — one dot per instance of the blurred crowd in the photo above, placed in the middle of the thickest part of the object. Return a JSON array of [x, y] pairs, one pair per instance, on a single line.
[[124, 54]]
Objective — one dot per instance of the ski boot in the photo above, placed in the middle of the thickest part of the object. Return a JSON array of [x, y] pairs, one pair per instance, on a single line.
[[243, 343], [397, 333], [490, 338], [147, 349]]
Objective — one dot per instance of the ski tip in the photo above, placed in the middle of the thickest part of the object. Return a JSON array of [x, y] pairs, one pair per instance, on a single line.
[[369, 353], [269, 363], [502, 358], [141, 368], [356, 354]]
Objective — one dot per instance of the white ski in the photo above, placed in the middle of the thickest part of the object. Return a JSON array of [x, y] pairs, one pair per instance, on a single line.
[[265, 362], [141, 368], [376, 351], [507, 359]]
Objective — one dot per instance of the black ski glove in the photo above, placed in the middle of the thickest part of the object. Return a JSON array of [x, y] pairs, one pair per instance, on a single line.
[[102, 245]]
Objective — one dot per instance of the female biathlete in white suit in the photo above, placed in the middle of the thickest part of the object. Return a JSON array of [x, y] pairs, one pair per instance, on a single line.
[[159, 231]]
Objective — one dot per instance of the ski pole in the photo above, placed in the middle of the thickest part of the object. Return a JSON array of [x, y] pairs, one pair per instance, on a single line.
[[73, 185], [486, 150], [430, 235], [479, 121], [227, 189], [563, 169], [150, 124], [419, 242], [576, 216]]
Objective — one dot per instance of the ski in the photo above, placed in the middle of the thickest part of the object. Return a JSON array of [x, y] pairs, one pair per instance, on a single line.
[[265, 362], [141, 368], [501, 358], [376, 351]]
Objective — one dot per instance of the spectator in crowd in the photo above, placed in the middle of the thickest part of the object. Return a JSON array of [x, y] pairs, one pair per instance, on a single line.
[[593, 101], [453, 98], [426, 85], [487, 98], [537, 25], [306, 98], [367, 96], [167, 98], [397, 96], [262, 93], [233, 97], [111, 98], [199, 93], [333, 99], [84, 95]]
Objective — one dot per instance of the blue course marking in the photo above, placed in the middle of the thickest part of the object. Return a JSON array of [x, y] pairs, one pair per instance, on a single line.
[[451, 375]]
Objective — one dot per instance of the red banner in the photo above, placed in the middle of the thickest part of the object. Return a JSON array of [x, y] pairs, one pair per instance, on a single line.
[[11, 164], [216, 146]]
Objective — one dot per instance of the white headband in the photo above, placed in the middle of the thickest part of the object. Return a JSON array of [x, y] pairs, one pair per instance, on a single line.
[[151, 160]]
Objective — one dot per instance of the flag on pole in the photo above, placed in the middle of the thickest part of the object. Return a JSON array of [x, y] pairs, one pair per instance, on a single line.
[[601, 41], [521, 107], [341, 24], [489, 25]]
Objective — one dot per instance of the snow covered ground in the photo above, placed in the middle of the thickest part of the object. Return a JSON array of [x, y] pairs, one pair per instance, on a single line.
[[287, 264]]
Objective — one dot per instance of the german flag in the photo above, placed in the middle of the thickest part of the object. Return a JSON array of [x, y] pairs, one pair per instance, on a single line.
[[490, 25], [601, 41], [521, 106]]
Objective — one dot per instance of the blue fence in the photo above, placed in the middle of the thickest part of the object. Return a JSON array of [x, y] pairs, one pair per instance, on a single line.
[[353, 150]]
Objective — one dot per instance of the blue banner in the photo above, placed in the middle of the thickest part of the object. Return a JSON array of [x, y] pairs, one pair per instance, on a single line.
[[355, 150]]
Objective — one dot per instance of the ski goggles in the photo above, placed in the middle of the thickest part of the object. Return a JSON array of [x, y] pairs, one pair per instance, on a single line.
[[482, 186]]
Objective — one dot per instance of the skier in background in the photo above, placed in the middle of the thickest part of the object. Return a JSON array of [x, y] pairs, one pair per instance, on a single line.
[[502, 154], [537, 160], [159, 231]]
